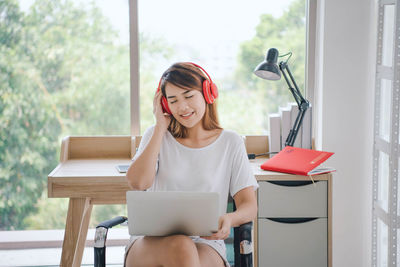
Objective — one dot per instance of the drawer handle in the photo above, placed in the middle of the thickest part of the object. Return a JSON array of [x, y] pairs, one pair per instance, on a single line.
[[292, 220], [291, 183]]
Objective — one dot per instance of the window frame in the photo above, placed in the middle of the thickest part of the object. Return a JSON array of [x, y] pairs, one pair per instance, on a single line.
[[311, 14], [134, 67], [389, 218]]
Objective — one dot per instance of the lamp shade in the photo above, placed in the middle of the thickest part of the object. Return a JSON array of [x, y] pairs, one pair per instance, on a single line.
[[268, 69]]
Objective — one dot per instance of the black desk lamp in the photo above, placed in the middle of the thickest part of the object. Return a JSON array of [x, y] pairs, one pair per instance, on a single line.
[[269, 70]]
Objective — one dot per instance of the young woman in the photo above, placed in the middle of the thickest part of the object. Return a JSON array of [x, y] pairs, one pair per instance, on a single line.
[[187, 150]]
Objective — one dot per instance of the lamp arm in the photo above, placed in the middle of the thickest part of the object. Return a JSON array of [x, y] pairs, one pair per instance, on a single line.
[[284, 67], [302, 103], [294, 82], [295, 128]]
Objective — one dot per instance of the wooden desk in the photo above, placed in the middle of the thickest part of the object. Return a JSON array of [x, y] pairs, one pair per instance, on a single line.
[[87, 176]]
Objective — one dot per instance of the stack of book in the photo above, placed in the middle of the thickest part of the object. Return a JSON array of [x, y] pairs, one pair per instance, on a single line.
[[280, 124]]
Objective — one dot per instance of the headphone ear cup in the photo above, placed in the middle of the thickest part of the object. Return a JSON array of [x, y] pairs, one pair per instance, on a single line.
[[164, 104], [207, 92], [214, 90]]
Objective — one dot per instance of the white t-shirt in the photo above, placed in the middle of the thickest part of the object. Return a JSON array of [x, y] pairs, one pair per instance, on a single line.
[[221, 166]]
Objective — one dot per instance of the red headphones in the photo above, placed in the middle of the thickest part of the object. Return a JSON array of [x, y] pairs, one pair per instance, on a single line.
[[210, 91]]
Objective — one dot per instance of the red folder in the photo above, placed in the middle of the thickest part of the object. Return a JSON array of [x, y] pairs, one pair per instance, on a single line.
[[299, 161]]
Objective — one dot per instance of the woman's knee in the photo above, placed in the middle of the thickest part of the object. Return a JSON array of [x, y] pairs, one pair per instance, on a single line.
[[180, 243], [145, 252], [176, 250], [181, 248]]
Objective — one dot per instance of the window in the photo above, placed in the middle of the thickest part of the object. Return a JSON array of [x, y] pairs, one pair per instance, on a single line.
[[64, 71], [68, 66]]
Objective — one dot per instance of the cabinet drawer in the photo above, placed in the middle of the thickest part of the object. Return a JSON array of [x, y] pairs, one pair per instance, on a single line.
[[292, 199], [293, 244]]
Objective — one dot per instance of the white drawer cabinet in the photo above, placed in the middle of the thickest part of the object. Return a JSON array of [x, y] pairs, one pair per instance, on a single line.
[[278, 240], [301, 244], [292, 199], [292, 227]]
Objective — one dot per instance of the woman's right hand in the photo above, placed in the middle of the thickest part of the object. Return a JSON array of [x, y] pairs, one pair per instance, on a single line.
[[162, 119]]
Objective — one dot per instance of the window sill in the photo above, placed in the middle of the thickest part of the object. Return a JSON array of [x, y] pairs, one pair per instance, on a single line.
[[27, 239]]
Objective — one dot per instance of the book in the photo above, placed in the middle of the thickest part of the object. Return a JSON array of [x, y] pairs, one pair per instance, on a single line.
[[294, 110], [274, 132], [285, 124], [307, 129], [301, 161]]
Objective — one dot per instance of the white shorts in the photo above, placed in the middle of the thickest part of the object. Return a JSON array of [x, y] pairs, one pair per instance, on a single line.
[[217, 245]]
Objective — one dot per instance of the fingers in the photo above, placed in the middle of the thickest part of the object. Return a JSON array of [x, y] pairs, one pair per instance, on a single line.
[[156, 100], [157, 103], [162, 119], [222, 234], [224, 229]]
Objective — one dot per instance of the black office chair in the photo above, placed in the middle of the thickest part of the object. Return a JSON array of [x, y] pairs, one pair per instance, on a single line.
[[242, 242]]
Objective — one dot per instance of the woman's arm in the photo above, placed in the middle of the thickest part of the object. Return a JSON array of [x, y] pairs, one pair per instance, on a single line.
[[246, 211], [142, 171], [246, 207]]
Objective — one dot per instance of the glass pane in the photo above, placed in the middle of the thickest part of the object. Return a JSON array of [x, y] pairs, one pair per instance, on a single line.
[[65, 71], [383, 181], [385, 109], [398, 247], [388, 33], [106, 212], [228, 39], [398, 193], [382, 244]]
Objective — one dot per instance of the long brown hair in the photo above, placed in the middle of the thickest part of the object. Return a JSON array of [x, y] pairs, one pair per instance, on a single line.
[[187, 76]]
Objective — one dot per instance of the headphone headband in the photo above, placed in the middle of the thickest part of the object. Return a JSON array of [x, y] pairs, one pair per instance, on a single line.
[[201, 68]]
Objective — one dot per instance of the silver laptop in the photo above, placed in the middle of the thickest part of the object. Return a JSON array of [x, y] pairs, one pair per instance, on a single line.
[[167, 213]]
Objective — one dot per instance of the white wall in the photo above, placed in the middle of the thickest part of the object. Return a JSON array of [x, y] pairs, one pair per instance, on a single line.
[[345, 69]]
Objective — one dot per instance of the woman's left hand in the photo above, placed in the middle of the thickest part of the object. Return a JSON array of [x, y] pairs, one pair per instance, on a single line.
[[224, 228]]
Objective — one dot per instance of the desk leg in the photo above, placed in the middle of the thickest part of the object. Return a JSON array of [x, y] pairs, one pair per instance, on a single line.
[[79, 211]]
